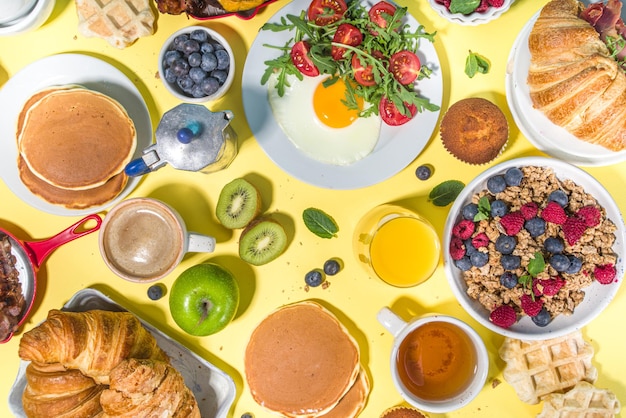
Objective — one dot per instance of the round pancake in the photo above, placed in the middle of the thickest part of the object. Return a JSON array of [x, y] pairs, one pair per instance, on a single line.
[[353, 402], [301, 361], [76, 138]]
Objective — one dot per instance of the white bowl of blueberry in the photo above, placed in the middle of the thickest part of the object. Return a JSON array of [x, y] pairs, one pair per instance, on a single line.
[[197, 64], [533, 248]]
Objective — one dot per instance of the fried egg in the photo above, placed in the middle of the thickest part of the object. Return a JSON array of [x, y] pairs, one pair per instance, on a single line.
[[318, 123]]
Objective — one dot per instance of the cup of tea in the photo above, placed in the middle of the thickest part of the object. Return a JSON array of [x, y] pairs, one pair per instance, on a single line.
[[397, 245], [11, 10], [144, 239], [438, 363]]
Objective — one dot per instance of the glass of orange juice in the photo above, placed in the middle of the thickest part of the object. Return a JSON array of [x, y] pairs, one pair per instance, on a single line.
[[397, 245]]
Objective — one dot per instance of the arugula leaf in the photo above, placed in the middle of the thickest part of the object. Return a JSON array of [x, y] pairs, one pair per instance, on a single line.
[[476, 63], [320, 223], [484, 209], [464, 6], [444, 193]]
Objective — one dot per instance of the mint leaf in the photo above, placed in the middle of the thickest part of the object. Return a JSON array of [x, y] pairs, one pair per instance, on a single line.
[[464, 6], [536, 265], [320, 223], [444, 193], [484, 209], [476, 63]]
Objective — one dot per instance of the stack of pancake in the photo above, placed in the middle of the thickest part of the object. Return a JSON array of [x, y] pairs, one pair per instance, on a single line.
[[73, 145], [302, 362]]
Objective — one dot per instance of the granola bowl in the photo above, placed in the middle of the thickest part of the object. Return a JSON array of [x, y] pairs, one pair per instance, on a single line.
[[551, 249]]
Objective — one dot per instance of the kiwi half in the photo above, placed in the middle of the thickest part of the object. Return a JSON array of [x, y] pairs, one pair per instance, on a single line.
[[262, 241], [238, 204]]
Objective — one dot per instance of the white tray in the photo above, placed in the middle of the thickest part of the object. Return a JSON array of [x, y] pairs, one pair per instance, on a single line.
[[214, 389]]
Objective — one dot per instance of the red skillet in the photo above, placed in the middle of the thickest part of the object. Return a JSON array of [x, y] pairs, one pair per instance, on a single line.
[[30, 255]]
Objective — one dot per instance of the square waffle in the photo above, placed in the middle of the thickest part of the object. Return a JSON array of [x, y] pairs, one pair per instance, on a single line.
[[538, 368], [119, 22], [584, 400]]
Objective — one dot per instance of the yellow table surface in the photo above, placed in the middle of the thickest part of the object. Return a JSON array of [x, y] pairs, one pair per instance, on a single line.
[[352, 295]]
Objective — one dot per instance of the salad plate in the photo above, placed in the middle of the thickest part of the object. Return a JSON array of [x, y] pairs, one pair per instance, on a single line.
[[89, 72], [396, 148]]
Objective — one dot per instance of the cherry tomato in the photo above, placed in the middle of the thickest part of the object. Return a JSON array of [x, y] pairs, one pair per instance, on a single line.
[[391, 115], [405, 66], [325, 12], [346, 34], [377, 11], [302, 61], [363, 75]]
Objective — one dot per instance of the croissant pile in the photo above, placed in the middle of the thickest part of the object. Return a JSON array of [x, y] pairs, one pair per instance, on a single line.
[[100, 364], [573, 79]]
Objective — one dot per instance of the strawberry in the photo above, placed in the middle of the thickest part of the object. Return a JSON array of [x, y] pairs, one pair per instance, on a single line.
[[529, 210], [574, 228], [529, 306], [480, 240], [503, 316], [512, 222], [457, 249], [605, 273], [591, 215], [554, 213], [464, 229]]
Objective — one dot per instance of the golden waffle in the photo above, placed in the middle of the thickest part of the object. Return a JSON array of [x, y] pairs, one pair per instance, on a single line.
[[584, 400], [119, 22], [538, 368]]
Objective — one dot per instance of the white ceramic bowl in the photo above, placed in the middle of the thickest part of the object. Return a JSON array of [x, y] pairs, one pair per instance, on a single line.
[[597, 296], [33, 20], [175, 89], [472, 19]]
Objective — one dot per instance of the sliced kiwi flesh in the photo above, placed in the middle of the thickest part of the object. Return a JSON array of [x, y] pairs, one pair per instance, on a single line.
[[262, 241], [238, 204]]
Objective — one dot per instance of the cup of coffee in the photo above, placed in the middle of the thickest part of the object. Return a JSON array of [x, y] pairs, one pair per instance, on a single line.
[[11, 10], [438, 363], [144, 239], [397, 245]]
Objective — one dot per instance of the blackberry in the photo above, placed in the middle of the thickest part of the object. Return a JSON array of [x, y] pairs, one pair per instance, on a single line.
[[513, 176], [423, 172], [535, 226], [496, 184], [554, 245], [498, 208], [469, 211], [510, 262], [508, 279], [331, 267], [559, 262], [463, 263], [479, 259], [558, 196], [505, 244], [543, 318], [314, 278], [575, 264]]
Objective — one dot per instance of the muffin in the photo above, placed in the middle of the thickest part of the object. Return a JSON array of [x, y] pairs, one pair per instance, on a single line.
[[402, 412], [474, 130]]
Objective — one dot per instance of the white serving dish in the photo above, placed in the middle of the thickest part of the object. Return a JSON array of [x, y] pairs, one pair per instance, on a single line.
[[33, 20], [214, 389], [472, 19]]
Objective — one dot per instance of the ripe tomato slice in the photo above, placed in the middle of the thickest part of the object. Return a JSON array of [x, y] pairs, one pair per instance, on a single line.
[[405, 66], [363, 75], [390, 114], [302, 61], [346, 34], [377, 11], [325, 12]]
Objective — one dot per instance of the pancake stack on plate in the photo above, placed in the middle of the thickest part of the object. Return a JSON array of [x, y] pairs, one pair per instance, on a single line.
[[302, 362], [73, 145]]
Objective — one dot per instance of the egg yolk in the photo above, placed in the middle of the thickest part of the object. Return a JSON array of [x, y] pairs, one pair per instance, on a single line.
[[329, 108]]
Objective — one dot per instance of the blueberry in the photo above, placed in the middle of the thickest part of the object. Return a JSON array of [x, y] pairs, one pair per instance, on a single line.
[[535, 226], [190, 46], [505, 244], [554, 245], [223, 59], [194, 59], [220, 75], [197, 74], [314, 278], [543, 318], [508, 279], [185, 82], [575, 264], [499, 208], [559, 262], [209, 62], [479, 259], [199, 35], [210, 85], [496, 184], [155, 292], [331, 267], [463, 263], [207, 47], [513, 176], [170, 57], [469, 211], [247, 415], [558, 196], [180, 67], [196, 91], [469, 247], [170, 77], [179, 41], [423, 172], [510, 262]]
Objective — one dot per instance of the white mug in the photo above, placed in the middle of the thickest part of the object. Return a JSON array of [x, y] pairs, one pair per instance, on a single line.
[[11, 10], [144, 239], [438, 363]]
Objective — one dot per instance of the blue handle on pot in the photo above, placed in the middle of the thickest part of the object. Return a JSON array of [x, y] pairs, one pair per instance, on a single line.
[[136, 168]]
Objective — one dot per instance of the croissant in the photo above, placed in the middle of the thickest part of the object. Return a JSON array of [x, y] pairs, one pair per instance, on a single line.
[[573, 79], [53, 391], [148, 388], [93, 342]]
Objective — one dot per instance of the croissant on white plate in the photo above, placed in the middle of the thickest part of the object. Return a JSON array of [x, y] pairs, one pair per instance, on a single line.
[[573, 79]]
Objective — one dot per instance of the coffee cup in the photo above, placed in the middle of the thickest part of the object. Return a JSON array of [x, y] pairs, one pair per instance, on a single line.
[[144, 239], [438, 363], [11, 10]]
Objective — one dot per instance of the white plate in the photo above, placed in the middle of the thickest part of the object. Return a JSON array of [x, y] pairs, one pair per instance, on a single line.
[[88, 72], [597, 296], [214, 389], [396, 148], [538, 129]]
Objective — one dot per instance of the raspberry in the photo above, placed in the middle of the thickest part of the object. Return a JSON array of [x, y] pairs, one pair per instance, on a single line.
[[529, 210], [591, 215], [480, 240], [554, 213], [605, 273], [529, 306], [512, 222], [483, 6], [548, 287], [495, 3], [503, 316], [573, 228], [457, 249], [464, 229]]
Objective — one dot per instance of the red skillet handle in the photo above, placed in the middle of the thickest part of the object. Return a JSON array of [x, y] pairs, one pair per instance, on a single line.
[[39, 250]]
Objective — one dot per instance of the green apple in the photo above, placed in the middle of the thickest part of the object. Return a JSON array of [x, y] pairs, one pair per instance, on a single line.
[[204, 299]]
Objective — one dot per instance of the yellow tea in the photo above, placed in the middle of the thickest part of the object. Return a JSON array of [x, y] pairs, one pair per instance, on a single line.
[[436, 361], [404, 251]]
